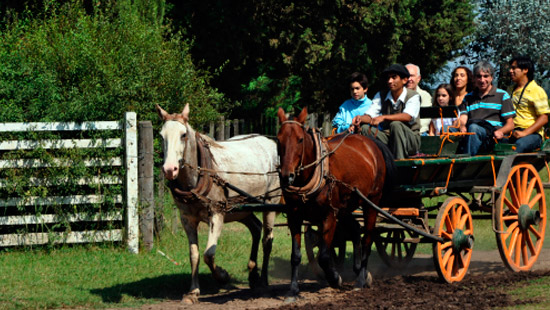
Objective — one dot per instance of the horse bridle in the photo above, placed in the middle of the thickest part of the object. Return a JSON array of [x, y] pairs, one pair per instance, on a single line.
[[305, 129]]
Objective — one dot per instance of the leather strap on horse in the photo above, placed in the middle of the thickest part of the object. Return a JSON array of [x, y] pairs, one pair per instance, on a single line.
[[317, 181], [205, 181]]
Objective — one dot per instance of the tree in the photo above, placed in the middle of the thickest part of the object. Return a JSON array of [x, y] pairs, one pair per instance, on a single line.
[[275, 53], [512, 27]]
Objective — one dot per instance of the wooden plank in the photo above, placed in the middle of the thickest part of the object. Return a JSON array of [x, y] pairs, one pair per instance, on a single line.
[[59, 144], [146, 183], [106, 180], [60, 126], [132, 220], [57, 237], [53, 218], [56, 200], [57, 162]]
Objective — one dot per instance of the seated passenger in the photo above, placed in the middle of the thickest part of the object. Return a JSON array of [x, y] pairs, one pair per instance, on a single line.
[[487, 112], [443, 97], [531, 104], [357, 105], [393, 116]]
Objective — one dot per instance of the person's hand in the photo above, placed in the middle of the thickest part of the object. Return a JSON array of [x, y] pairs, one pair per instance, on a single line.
[[499, 134], [356, 121], [518, 134], [377, 120]]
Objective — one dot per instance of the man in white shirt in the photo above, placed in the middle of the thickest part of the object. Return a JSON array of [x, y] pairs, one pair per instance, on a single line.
[[393, 116], [425, 97]]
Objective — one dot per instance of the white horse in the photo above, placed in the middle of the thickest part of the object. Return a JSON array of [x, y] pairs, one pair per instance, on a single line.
[[248, 163]]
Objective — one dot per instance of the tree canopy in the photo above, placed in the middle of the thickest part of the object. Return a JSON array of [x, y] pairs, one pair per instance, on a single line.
[[296, 53], [513, 27]]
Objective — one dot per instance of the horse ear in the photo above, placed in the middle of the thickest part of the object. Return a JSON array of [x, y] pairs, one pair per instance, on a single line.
[[185, 112], [303, 115], [162, 114], [281, 115]]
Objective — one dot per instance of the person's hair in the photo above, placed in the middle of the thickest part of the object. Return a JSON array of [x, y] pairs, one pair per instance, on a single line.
[[524, 62], [469, 75], [449, 90], [484, 66], [360, 78], [417, 68]]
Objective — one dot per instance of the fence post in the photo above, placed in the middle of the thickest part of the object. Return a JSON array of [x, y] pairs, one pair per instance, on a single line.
[[132, 228], [235, 127], [227, 131], [220, 132], [327, 125], [211, 130], [145, 172], [159, 209]]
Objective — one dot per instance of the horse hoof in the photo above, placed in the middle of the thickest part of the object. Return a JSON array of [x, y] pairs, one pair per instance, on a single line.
[[221, 276], [368, 280], [254, 280], [290, 299], [190, 299]]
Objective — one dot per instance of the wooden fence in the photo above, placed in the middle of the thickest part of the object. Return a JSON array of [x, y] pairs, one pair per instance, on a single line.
[[31, 216], [224, 129]]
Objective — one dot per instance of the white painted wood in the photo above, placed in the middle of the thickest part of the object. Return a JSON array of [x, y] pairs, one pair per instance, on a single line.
[[59, 144], [131, 146], [56, 162], [53, 218], [107, 180], [56, 200], [69, 237], [57, 126]]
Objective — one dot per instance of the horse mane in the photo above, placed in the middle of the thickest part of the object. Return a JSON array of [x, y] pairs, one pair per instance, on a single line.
[[210, 141]]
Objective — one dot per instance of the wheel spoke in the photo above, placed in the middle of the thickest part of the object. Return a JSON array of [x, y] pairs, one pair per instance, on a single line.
[[510, 229], [511, 206], [535, 200], [449, 225], [449, 267], [445, 235], [446, 245], [524, 186], [513, 242], [463, 220], [510, 217], [457, 216], [517, 255], [530, 187], [514, 195], [535, 232], [524, 253], [517, 186], [530, 244], [446, 256]]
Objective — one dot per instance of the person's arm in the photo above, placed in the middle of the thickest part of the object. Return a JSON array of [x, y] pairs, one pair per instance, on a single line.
[[402, 117], [431, 130], [508, 126], [463, 119], [540, 121], [339, 121]]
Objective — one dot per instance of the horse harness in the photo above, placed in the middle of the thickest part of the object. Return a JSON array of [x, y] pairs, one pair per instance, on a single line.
[[206, 179], [321, 175]]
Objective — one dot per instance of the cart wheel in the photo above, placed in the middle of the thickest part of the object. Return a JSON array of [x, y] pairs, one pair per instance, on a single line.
[[521, 218], [392, 249], [454, 224], [312, 239]]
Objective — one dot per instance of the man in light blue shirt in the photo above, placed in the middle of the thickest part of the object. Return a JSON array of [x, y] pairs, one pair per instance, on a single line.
[[357, 105], [393, 116]]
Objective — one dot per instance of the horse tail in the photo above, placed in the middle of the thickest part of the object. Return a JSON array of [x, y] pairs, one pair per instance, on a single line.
[[390, 180]]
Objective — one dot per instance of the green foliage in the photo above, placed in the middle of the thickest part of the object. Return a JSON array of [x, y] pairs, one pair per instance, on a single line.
[[513, 27], [319, 43], [67, 65]]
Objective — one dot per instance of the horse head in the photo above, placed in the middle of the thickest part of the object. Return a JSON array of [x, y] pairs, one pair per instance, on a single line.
[[291, 145], [175, 133]]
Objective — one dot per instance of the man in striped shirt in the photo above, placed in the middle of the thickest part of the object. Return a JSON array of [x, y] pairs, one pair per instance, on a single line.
[[487, 112]]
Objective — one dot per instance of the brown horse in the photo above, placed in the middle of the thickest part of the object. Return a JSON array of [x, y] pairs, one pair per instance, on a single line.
[[319, 179]]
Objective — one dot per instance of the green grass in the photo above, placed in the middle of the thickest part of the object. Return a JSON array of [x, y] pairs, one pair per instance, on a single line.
[[107, 276]]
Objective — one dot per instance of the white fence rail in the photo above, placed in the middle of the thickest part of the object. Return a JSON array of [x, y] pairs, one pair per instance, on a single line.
[[126, 215]]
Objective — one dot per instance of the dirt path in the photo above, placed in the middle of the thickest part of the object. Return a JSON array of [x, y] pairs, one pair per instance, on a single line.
[[414, 288]]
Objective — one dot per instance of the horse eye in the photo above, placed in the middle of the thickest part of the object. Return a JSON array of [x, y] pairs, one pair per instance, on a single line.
[[183, 136], [300, 140]]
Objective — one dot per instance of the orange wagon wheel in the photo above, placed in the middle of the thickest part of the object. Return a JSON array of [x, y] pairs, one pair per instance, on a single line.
[[455, 225], [521, 218]]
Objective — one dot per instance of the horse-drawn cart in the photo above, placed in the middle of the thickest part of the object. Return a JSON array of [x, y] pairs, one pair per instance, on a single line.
[[505, 187]]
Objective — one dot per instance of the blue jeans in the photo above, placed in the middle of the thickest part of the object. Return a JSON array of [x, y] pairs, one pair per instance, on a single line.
[[528, 143], [480, 140]]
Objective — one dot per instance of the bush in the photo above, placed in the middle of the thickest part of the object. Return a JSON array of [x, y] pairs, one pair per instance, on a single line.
[[67, 65]]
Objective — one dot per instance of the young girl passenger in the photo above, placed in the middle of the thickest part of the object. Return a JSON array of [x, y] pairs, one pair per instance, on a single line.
[[443, 96]]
